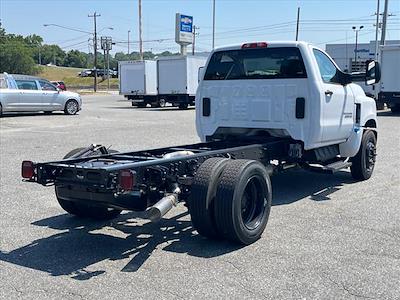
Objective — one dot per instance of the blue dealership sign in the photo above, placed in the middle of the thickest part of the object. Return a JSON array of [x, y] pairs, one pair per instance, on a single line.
[[186, 23]]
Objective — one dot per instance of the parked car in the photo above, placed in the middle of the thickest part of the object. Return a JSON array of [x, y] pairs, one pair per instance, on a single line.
[[22, 93], [86, 73], [60, 84]]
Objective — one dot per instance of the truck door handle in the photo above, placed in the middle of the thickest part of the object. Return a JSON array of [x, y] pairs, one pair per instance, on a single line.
[[328, 93]]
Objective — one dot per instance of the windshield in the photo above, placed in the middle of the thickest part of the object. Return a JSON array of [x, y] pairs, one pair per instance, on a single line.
[[260, 63]]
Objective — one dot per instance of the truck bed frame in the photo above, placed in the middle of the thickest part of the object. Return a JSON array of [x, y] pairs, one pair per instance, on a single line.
[[92, 174]]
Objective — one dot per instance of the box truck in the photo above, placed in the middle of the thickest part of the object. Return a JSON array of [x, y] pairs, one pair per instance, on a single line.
[[390, 83], [138, 82], [178, 78]]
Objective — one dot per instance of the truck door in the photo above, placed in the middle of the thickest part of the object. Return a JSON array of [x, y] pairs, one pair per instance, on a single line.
[[337, 105]]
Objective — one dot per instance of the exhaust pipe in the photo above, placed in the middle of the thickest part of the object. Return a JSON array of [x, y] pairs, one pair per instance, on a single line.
[[158, 210]]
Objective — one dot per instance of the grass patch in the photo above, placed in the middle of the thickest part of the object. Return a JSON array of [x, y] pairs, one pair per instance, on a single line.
[[54, 73], [71, 79]]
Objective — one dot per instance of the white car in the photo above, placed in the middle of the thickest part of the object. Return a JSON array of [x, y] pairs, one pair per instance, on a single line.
[[23, 93]]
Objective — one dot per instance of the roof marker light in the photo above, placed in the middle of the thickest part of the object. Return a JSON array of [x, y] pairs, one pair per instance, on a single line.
[[254, 45]]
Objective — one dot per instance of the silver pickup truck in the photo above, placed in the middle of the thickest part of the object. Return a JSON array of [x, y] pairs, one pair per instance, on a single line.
[[23, 93]]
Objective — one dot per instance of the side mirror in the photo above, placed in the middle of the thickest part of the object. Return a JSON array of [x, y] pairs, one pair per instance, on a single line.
[[343, 78], [372, 72]]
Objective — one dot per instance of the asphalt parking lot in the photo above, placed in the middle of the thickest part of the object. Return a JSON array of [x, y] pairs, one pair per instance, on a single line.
[[328, 237]]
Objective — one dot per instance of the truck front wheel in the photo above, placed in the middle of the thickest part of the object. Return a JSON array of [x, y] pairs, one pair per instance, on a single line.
[[364, 162], [243, 201], [85, 210]]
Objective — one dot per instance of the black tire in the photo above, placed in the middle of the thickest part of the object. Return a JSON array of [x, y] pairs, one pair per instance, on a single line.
[[364, 162], [243, 201], [183, 106], [83, 210], [1, 110], [202, 196], [71, 107], [395, 109]]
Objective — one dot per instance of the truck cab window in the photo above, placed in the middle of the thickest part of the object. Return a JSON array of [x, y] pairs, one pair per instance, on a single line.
[[26, 84], [326, 67], [259, 63]]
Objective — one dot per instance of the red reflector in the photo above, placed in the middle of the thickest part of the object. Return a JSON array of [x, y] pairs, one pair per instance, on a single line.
[[28, 170], [127, 179], [254, 45]]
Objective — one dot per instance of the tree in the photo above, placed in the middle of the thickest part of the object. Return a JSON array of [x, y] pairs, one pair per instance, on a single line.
[[52, 54], [15, 54], [15, 57], [76, 59]]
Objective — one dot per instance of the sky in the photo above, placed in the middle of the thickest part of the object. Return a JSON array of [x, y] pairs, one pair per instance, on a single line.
[[237, 21]]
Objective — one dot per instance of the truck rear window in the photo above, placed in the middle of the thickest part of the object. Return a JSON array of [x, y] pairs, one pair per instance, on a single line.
[[260, 63]]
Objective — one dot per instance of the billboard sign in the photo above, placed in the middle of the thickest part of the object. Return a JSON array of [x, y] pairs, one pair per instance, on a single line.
[[183, 29]]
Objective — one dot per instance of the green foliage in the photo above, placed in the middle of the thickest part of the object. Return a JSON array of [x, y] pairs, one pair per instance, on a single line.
[[76, 59], [16, 54]]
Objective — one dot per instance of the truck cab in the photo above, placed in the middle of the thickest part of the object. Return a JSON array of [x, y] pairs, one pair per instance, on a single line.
[[284, 89]]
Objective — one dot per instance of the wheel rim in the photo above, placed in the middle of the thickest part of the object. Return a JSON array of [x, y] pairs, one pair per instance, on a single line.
[[162, 103], [370, 156], [253, 203], [72, 107]]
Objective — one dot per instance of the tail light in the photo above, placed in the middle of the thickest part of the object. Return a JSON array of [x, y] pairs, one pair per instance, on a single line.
[[28, 169], [127, 179], [254, 45]]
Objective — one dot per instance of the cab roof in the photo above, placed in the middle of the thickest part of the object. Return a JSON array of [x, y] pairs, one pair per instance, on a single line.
[[269, 44]]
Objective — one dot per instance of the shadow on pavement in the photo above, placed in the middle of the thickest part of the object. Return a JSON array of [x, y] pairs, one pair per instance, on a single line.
[[387, 113], [168, 108], [22, 114], [80, 243]]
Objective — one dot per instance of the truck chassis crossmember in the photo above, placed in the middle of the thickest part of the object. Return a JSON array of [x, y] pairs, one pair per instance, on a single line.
[[95, 179]]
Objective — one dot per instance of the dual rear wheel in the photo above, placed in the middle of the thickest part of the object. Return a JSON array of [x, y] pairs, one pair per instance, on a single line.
[[231, 199]]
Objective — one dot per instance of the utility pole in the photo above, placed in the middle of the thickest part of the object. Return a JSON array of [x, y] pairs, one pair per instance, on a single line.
[[94, 16], [140, 31], [194, 38], [213, 29], [297, 24], [129, 42], [384, 22], [40, 55], [106, 45]]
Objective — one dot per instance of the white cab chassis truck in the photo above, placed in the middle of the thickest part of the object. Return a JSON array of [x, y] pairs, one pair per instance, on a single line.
[[390, 83], [178, 78], [261, 108], [138, 82]]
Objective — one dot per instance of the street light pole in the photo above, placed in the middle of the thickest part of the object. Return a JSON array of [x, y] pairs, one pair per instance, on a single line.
[[213, 29], [128, 42], [376, 31], [356, 47], [140, 31]]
